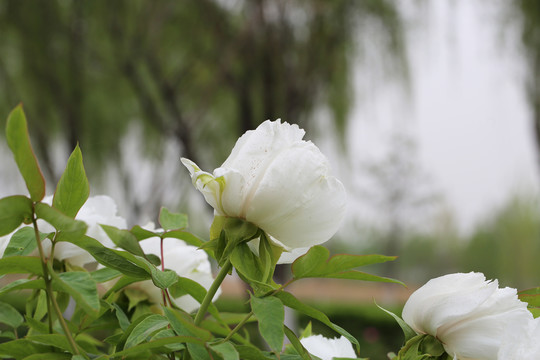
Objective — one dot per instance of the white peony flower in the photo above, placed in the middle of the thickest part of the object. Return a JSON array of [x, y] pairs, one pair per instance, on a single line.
[[186, 260], [96, 210], [279, 182], [522, 341], [466, 313], [327, 349]]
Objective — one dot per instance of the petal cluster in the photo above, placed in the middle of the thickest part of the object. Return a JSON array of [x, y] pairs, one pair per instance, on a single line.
[[280, 183], [327, 349], [468, 314]]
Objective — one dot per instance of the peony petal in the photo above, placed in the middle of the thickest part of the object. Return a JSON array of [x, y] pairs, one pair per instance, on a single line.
[[468, 314], [327, 349], [297, 201]]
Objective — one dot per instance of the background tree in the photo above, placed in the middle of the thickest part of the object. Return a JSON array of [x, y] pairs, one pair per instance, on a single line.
[[194, 71], [527, 14]]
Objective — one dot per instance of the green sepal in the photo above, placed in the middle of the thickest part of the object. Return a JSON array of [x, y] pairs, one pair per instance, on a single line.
[[230, 233], [423, 347], [407, 330]]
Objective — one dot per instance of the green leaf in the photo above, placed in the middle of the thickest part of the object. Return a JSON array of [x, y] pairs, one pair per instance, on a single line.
[[23, 242], [226, 350], [124, 239], [36, 326], [156, 344], [187, 286], [407, 330], [317, 264], [297, 344], [270, 313], [167, 333], [104, 274], [19, 142], [250, 352], [144, 329], [21, 265], [80, 286], [56, 340], [290, 301], [23, 284], [307, 331], [183, 324], [123, 320], [188, 237], [52, 356], [172, 221], [10, 316], [115, 259], [21, 348], [530, 296], [68, 228], [72, 190], [14, 210], [162, 279], [135, 296], [141, 233]]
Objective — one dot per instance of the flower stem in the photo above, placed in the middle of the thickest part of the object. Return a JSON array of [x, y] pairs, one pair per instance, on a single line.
[[50, 294], [212, 291], [238, 327]]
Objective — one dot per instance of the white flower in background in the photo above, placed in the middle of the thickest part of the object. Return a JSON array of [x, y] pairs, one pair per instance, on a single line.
[[468, 314], [96, 210], [279, 182], [186, 260], [327, 349], [522, 341], [4, 241]]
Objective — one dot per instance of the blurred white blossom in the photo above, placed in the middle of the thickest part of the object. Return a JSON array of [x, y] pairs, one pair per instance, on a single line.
[[327, 349], [186, 260], [96, 210]]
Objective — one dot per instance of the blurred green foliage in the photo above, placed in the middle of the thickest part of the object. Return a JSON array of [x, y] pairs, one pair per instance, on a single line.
[[505, 246], [526, 13]]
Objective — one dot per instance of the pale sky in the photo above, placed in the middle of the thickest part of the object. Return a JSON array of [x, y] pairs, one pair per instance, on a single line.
[[467, 111]]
